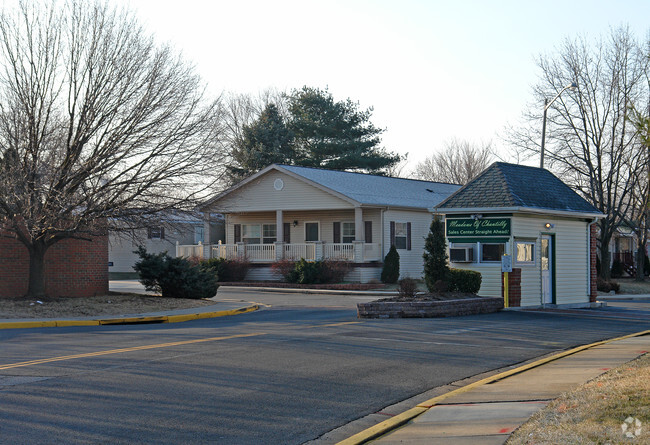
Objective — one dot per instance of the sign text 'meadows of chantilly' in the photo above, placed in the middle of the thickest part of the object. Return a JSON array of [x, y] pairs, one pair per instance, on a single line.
[[478, 227]]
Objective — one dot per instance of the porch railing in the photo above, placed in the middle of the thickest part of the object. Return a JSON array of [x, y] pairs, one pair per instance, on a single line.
[[296, 251], [266, 253], [339, 251]]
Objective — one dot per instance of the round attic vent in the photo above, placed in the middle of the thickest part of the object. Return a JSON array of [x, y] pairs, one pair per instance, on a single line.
[[278, 184]]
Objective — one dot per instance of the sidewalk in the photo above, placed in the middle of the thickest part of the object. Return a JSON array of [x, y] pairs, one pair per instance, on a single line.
[[486, 412]]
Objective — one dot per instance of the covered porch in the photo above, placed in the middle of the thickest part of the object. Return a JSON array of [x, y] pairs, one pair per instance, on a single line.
[[267, 237]]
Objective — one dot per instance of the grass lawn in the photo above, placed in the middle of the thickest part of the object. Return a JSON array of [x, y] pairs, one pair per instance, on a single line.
[[595, 412], [630, 286]]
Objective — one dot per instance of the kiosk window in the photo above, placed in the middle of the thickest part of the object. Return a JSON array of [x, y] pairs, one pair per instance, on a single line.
[[491, 252], [525, 252]]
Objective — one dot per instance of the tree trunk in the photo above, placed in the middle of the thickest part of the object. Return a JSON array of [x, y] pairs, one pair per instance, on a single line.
[[605, 260], [640, 262], [36, 286]]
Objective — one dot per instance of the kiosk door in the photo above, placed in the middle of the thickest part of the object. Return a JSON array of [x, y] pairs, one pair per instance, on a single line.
[[547, 269]]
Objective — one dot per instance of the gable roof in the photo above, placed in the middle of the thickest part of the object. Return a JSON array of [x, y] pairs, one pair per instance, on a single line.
[[362, 189], [518, 188]]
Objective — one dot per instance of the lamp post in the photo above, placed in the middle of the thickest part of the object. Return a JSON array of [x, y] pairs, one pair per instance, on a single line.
[[547, 105]]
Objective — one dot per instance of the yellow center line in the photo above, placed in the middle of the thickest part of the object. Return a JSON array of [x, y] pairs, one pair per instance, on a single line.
[[121, 350], [333, 324]]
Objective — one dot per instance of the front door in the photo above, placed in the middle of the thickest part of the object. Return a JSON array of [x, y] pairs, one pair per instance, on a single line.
[[547, 269]]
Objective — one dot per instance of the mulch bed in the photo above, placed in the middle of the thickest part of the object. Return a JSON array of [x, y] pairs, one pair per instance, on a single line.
[[432, 297], [347, 286]]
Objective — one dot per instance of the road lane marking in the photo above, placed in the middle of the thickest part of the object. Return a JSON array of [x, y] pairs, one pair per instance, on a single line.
[[121, 350], [343, 323]]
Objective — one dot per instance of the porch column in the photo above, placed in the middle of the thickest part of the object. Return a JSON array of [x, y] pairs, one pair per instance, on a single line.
[[358, 225], [207, 247], [279, 229]]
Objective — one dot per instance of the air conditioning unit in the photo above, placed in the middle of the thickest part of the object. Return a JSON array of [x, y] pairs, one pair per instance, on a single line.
[[461, 254]]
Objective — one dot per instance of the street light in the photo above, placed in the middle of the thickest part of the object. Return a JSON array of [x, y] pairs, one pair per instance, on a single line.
[[547, 104]]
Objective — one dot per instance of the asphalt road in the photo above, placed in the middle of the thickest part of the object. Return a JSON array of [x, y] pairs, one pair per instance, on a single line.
[[286, 374]]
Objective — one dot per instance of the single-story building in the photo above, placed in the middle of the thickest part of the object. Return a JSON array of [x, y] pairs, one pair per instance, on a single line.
[[162, 235], [531, 215], [299, 212]]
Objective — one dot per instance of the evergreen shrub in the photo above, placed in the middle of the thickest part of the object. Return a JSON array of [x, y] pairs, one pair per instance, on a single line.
[[175, 277], [462, 280], [390, 270]]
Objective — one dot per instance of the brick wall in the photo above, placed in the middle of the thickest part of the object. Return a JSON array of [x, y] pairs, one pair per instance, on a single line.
[[593, 273], [514, 287], [73, 268]]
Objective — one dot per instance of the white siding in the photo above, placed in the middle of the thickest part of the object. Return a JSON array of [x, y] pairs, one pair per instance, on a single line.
[[297, 233], [571, 270], [411, 263], [120, 251], [260, 195]]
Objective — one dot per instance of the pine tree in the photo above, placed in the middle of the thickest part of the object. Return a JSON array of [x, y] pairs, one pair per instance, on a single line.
[[335, 135], [266, 141], [435, 254]]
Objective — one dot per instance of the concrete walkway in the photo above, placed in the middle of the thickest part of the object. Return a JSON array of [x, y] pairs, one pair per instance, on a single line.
[[487, 411]]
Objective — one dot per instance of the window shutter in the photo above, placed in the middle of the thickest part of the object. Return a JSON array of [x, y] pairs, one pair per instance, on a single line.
[[149, 232], [237, 233], [337, 232], [392, 233], [368, 231], [408, 236], [162, 233]]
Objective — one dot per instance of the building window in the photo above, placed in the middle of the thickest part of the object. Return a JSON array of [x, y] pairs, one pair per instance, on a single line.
[[525, 252], [269, 233], [348, 231], [311, 231], [401, 235], [156, 233], [250, 233], [491, 252]]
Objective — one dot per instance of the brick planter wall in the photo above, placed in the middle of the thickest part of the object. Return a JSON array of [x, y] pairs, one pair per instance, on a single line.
[[73, 268], [514, 287], [428, 309]]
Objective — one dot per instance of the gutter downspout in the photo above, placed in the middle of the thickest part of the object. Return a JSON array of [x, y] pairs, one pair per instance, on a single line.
[[595, 220]]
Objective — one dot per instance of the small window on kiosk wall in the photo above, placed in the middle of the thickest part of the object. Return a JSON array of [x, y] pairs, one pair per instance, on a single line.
[[492, 252], [525, 252]]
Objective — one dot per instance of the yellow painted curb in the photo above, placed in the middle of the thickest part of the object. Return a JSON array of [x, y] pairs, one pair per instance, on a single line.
[[127, 320], [388, 425]]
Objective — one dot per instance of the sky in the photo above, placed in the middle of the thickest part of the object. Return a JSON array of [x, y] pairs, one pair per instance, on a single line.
[[432, 70]]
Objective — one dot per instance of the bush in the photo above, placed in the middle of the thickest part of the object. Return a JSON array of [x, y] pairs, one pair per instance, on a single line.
[[227, 270], [462, 280], [334, 271], [306, 272], [174, 277], [607, 286], [283, 268], [435, 257], [390, 271], [407, 287], [617, 268], [311, 272]]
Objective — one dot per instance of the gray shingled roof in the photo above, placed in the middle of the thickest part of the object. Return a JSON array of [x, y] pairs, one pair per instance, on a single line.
[[510, 185], [378, 190]]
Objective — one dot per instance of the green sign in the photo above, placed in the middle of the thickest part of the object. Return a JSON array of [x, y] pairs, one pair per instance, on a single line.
[[478, 227]]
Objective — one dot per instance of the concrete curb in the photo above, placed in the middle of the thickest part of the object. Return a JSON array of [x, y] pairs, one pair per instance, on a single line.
[[127, 320], [386, 426]]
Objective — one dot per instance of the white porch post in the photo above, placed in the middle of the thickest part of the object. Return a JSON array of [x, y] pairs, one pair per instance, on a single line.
[[207, 247], [358, 225], [279, 228]]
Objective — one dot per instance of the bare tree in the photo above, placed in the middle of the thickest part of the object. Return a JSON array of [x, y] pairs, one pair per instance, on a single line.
[[591, 143], [97, 124], [459, 162], [639, 212]]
